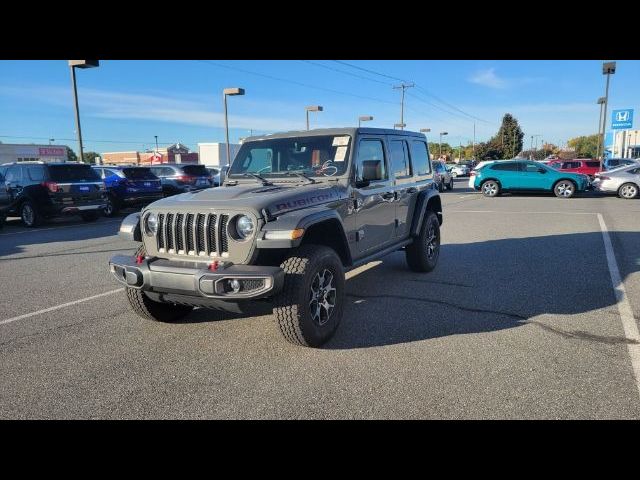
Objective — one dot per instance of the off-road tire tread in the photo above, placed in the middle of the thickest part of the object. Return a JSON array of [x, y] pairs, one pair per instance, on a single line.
[[414, 252], [285, 308]]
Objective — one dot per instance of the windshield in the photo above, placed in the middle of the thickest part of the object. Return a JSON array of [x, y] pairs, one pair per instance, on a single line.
[[73, 173], [316, 156]]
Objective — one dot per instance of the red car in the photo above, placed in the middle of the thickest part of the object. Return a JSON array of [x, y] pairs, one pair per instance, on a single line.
[[585, 166]]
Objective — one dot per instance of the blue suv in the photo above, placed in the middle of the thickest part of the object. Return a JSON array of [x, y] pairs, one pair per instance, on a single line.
[[128, 186]]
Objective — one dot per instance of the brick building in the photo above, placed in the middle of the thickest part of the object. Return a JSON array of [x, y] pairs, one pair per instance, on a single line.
[[176, 153]]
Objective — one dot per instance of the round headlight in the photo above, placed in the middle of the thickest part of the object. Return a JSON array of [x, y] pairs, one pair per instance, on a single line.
[[151, 224], [244, 226]]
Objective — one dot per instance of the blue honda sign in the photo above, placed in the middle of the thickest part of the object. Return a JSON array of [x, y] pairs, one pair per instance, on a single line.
[[622, 119]]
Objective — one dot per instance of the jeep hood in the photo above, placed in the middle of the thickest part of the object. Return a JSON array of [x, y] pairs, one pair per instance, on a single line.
[[277, 198]]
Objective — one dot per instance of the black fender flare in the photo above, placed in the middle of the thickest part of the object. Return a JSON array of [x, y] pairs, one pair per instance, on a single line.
[[305, 218], [427, 200]]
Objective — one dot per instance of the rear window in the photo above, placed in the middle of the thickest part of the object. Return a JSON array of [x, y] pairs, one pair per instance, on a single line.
[[195, 170], [73, 173], [139, 173]]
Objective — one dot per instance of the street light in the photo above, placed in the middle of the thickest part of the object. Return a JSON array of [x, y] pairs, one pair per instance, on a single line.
[[425, 131], [399, 125], [601, 101], [364, 118], [51, 140], [73, 64], [228, 92], [312, 108], [441, 134], [608, 69]]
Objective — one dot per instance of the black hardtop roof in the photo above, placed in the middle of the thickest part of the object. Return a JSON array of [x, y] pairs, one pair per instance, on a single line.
[[336, 131]]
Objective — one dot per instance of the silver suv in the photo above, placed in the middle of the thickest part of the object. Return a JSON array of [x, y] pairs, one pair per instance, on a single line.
[[180, 178]]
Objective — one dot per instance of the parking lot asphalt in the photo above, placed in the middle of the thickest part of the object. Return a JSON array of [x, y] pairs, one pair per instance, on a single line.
[[519, 320]]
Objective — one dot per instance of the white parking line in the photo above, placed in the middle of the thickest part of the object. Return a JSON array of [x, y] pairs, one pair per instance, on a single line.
[[58, 307], [521, 212], [33, 230], [361, 269], [624, 308]]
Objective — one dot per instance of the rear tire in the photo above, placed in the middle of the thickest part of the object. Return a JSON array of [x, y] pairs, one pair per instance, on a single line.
[[149, 309], [450, 186], [628, 191], [490, 188], [423, 253], [564, 189], [112, 206], [29, 214], [309, 308]]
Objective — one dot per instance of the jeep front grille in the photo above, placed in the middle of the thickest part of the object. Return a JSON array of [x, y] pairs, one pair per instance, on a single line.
[[192, 234]]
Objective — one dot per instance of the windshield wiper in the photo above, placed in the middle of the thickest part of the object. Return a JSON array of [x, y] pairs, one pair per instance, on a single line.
[[301, 175], [262, 180]]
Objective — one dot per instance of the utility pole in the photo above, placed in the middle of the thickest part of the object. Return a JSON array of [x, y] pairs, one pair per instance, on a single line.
[[474, 142], [403, 86], [608, 69]]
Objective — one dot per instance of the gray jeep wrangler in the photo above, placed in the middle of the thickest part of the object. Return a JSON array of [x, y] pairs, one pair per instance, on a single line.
[[295, 210]]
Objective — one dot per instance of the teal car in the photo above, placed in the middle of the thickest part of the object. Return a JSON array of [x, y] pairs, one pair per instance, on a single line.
[[525, 175]]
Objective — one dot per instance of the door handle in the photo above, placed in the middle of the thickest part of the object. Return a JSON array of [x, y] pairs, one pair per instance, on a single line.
[[388, 195]]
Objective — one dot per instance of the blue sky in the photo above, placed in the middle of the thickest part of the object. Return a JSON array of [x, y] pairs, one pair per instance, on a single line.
[[124, 104]]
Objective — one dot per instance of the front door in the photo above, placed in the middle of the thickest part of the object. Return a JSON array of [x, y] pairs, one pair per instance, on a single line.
[[374, 204], [536, 176]]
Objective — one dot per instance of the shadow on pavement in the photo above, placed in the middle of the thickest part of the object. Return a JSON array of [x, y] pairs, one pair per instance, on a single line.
[[477, 287]]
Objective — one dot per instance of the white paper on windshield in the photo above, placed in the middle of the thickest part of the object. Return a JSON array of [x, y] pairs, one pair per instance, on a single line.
[[339, 141], [341, 152]]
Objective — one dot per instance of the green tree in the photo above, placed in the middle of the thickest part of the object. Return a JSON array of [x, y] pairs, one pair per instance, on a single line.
[[434, 149], [71, 155], [504, 144], [90, 157], [585, 146]]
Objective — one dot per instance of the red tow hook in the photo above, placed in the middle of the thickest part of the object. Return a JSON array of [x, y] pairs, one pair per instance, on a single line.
[[139, 259], [214, 266]]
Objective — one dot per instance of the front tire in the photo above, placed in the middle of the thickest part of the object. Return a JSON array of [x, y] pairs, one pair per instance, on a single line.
[[309, 308], [628, 191], [450, 186], [29, 214], [149, 309], [564, 189], [422, 255]]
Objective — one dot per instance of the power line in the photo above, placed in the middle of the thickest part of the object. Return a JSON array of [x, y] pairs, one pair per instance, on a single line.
[[294, 82], [371, 71], [93, 141], [346, 73], [418, 87]]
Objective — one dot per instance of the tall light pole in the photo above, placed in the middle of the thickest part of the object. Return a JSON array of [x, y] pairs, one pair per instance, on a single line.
[[403, 86], [474, 141], [440, 148], [608, 69], [73, 64], [228, 92], [51, 140], [364, 118], [601, 102], [312, 108]]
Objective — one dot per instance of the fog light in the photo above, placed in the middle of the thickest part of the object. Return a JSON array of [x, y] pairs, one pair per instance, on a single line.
[[235, 285]]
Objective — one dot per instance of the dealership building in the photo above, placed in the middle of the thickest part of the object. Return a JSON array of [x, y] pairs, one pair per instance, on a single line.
[[623, 143], [176, 153], [11, 152]]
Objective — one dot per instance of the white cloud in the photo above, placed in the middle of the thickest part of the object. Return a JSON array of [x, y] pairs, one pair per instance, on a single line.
[[488, 78], [117, 105]]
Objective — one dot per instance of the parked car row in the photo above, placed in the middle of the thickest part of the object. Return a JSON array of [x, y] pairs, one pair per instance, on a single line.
[[564, 178], [36, 191]]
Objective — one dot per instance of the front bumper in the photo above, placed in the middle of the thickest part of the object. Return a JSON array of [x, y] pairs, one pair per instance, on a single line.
[[195, 279]]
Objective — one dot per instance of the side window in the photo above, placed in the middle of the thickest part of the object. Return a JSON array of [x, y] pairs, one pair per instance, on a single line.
[[371, 156], [420, 158], [510, 167], [13, 174], [35, 173], [400, 159], [531, 167]]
